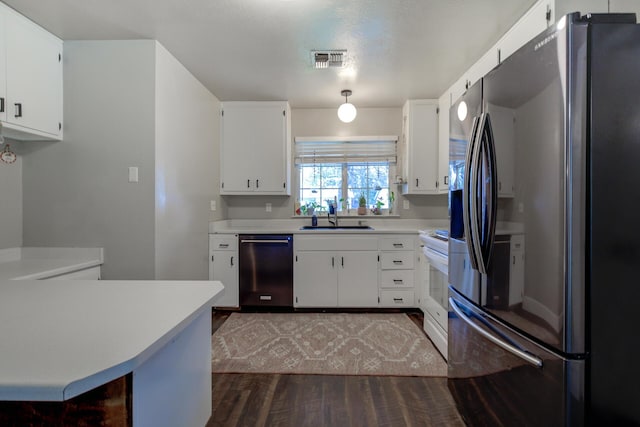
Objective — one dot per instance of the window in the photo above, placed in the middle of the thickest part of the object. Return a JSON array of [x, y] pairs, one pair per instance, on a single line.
[[344, 170]]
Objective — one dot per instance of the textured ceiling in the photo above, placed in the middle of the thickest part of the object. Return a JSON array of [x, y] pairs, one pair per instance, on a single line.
[[260, 49]]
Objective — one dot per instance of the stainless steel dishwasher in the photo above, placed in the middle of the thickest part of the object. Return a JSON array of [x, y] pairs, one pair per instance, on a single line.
[[266, 270]]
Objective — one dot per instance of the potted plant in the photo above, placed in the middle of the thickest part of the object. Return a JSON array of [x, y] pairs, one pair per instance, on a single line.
[[378, 209], [309, 208], [362, 205]]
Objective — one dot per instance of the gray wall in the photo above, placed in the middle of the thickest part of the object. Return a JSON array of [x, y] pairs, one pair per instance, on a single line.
[[76, 192], [128, 103], [187, 135], [11, 199], [324, 122]]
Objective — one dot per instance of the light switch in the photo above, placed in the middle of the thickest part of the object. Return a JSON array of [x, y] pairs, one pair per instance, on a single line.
[[213, 205], [405, 204], [268, 207], [133, 174]]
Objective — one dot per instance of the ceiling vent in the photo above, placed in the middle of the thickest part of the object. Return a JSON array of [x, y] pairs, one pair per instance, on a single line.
[[328, 58]]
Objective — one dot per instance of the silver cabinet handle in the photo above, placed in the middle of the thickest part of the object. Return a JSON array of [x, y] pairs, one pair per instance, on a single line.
[[397, 262], [534, 360], [398, 300], [18, 106], [398, 281], [231, 261], [223, 245], [285, 241], [398, 245], [1, 105]]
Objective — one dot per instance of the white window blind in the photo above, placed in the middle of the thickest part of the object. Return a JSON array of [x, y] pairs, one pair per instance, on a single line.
[[345, 149]]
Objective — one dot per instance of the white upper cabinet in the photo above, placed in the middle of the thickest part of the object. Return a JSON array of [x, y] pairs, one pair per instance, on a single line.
[[443, 143], [419, 145], [255, 148], [30, 79], [625, 6], [530, 25]]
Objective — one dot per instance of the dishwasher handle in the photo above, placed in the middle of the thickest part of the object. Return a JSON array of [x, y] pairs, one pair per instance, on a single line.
[[284, 241]]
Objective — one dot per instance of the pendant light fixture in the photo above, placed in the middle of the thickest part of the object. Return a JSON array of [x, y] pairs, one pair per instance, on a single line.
[[347, 111]]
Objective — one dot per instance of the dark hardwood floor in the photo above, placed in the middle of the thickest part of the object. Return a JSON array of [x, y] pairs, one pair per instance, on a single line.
[[330, 400]]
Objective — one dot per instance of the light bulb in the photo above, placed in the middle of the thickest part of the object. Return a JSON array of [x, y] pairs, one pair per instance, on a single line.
[[347, 112], [462, 111]]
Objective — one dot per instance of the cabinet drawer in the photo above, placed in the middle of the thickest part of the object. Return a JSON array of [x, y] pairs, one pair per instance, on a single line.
[[397, 298], [396, 279], [399, 260], [223, 242], [517, 243], [335, 243], [396, 243], [438, 312]]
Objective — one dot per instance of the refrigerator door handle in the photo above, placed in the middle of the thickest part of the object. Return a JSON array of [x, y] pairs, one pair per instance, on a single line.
[[476, 256], [489, 220], [466, 192], [528, 357]]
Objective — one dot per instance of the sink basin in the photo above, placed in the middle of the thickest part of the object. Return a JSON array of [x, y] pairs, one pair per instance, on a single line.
[[340, 227]]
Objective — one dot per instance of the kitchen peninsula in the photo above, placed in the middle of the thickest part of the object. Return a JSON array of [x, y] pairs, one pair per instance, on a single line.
[[61, 341]]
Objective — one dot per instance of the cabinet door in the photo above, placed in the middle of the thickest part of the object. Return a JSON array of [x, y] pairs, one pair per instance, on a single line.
[[422, 148], [33, 76], [236, 159], [444, 103], [315, 279], [358, 279], [3, 67], [268, 150], [223, 267], [516, 272], [254, 155], [529, 26]]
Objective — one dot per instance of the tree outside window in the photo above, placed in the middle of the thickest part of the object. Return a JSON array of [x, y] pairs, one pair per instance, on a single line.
[[320, 182]]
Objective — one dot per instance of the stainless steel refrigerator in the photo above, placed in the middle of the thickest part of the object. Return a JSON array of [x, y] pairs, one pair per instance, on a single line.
[[545, 151]]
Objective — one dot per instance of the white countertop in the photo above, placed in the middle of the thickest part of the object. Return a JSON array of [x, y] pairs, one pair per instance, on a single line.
[[60, 339], [380, 225], [41, 263]]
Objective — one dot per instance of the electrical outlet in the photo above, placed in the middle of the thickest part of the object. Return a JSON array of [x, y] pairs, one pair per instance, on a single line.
[[213, 205], [405, 204], [268, 207], [133, 174]]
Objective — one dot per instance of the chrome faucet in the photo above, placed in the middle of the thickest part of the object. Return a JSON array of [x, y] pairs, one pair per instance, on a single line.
[[335, 212]]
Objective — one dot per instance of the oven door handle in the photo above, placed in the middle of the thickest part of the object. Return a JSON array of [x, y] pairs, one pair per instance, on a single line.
[[534, 360], [285, 241]]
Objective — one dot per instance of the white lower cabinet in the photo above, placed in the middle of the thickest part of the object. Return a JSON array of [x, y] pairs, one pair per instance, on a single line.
[[335, 271], [223, 266], [315, 282]]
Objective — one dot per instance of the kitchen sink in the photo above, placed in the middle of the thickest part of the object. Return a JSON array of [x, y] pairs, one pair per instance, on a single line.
[[340, 227]]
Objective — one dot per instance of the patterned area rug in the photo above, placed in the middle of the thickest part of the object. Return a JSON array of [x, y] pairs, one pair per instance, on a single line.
[[324, 343]]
